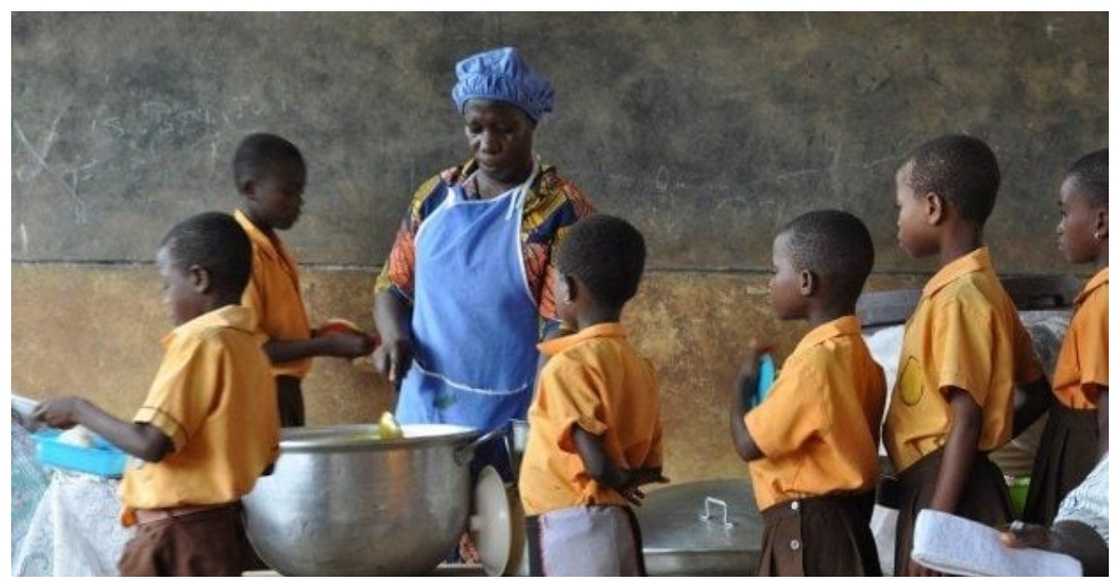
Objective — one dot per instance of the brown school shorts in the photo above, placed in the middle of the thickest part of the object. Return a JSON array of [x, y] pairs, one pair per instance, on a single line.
[[206, 543]]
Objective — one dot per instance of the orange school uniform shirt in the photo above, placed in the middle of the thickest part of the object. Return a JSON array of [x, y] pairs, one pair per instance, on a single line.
[[964, 333], [1083, 359], [273, 293], [595, 380], [215, 398], [819, 426]]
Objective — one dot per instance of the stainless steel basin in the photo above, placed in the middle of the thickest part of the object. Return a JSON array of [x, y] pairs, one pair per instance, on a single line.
[[343, 502]]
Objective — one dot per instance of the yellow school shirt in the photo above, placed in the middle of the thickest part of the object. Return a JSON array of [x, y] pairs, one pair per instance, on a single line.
[[1083, 359], [819, 426], [215, 398], [597, 381], [965, 333], [273, 292]]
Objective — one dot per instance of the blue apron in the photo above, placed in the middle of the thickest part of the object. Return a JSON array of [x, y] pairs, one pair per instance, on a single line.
[[475, 322]]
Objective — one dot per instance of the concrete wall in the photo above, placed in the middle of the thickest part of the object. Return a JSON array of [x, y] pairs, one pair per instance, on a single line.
[[707, 130]]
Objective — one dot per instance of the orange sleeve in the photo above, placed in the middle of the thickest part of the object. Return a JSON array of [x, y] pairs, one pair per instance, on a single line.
[[569, 393], [182, 393], [1091, 338], [962, 348], [795, 411]]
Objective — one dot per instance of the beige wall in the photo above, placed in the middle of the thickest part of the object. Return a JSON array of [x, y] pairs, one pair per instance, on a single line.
[[94, 331]]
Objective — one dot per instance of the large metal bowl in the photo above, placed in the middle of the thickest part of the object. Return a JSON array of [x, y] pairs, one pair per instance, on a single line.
[[343, 502]]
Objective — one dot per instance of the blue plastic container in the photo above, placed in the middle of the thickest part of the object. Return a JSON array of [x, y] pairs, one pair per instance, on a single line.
[[103, 459], [764, 380]]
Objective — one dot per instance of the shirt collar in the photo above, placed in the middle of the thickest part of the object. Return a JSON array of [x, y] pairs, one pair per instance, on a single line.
[[975, 261], [257, 236], [470, 166], [561, 344], [1098, 280], [845, 325], [233, 316]]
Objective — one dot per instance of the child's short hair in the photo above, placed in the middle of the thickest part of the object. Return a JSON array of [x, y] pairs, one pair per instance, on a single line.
[[216, 242], [258, 153], [961, 169], [1091, 174], [833, 243], [607, 254]]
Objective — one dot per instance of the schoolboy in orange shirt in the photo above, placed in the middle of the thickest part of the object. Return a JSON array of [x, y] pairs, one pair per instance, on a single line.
[[1076, 434], [270, 174], [595, 424], [208, 427], [812, 444], [964, 350]]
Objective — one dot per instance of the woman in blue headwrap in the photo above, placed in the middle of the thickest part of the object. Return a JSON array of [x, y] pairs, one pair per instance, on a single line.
[[467, 291]]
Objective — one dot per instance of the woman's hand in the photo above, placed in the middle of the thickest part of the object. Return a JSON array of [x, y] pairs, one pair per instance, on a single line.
[[1020, 535], [393, 357]]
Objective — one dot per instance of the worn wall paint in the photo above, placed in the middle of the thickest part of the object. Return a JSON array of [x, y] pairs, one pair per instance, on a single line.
[[708, 130]]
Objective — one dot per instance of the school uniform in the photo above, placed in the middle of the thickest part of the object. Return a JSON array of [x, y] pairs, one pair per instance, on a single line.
[[1069, 446], [214, 398], [818, 430], [274, 295], [594, 380], [964, 333]]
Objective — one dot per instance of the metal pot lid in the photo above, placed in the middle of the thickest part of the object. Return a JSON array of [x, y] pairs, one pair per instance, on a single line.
[[365, 437], [689, 518], [497, 524]]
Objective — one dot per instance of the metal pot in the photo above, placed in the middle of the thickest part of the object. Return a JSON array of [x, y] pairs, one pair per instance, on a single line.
[[343, 502], [708, 528]]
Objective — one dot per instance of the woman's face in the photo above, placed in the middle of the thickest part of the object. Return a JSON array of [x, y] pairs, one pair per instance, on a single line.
[[501, 138]]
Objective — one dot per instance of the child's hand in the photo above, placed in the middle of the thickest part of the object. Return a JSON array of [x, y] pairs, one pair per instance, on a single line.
[[649, 476], [755, 349], [1020, 535], [60, 413]]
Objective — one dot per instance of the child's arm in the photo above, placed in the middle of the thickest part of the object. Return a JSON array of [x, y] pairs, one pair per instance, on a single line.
[[739, 405], [139, 439], [605, 472], [333, 344], [1102, 416], [1031, 402], [959, 455]]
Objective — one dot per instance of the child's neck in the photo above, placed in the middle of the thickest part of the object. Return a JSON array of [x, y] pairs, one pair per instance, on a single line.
[[818, 316], [596, 316], [259, 223], [1102, 259], [960, 239], [219, 301]]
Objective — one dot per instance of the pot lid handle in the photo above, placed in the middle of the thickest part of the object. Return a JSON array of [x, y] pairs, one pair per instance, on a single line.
[[707, 516]]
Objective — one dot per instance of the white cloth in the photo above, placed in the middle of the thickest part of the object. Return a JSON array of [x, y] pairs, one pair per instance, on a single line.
[[75, 530], [1088, 502], [961, 547], [590, 541]]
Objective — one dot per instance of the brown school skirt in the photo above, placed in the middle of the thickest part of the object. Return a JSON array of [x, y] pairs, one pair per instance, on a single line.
[[984, 499], [533, 538], [206, 543], [820, 536], [1066, 455]]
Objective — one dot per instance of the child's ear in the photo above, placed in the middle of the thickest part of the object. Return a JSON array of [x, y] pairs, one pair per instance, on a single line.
[[200, 278], [1100, 231], [248, 189], [935, 208], [808, 283], [571, 288]]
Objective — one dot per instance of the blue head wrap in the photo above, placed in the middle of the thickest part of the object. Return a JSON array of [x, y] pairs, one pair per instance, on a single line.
[[501, 74]]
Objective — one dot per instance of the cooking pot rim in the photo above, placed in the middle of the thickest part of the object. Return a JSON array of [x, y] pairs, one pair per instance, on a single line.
[[350, 437]]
